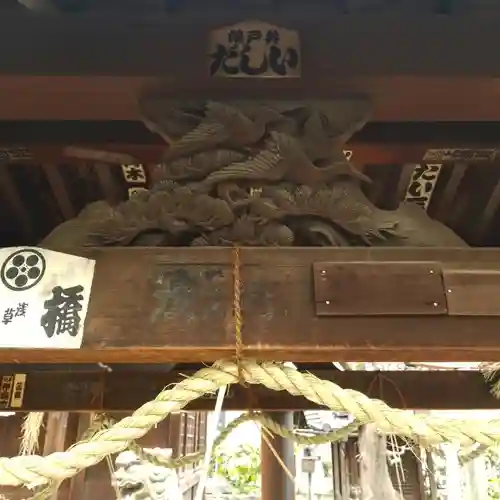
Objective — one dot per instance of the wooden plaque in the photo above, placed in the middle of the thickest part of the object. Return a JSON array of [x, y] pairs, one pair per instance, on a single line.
[[378, 288], [472, 292], [254, 49]]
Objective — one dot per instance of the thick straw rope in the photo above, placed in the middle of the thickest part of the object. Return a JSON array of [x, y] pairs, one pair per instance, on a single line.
[[36, 470], [490, 373]]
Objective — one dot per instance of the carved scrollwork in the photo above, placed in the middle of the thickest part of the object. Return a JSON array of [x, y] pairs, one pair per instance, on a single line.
[[260, 174]]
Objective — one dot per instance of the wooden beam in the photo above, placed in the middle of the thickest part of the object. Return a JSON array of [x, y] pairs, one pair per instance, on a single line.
[[395, 99], [128, 388], [426, 81], [362, 153], [434, 134], [126, 323], [386, 143]]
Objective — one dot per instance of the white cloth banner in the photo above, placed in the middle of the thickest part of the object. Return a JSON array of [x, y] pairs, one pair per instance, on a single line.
[[44, 297]]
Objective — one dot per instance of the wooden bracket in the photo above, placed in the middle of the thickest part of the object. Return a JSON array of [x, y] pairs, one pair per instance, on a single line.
[[378, 288]]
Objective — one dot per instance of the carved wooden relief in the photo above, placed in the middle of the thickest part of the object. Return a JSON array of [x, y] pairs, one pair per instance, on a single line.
[[268, 173]]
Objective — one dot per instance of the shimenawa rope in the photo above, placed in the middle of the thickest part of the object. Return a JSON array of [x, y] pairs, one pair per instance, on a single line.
[[36, 470]]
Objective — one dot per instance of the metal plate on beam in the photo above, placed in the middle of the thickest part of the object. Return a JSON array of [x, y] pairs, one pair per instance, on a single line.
[[378, 288], [472, 292]]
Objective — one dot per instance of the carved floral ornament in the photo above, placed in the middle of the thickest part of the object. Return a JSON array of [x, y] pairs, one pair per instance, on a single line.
[[267, 173]]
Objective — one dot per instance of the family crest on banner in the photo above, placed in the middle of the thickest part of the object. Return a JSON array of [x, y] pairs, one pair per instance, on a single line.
[[44, 297]]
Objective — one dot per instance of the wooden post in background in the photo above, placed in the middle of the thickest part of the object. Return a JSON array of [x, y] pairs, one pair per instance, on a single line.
[[275, 482]]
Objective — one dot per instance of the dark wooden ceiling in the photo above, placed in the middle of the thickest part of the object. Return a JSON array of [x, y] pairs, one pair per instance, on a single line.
[[39, 193], [441, 7], [37, 197], [423, 60]]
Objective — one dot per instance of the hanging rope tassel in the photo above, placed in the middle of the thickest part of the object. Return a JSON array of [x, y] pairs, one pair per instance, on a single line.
[[237, 315]]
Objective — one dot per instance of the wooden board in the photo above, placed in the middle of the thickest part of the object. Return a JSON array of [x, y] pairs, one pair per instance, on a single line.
[[126, 389], [279, 312], [378, 288]]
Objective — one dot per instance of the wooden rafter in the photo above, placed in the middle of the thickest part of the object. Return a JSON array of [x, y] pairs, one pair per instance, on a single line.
[[404, 180], [443, 205], [112, 192], [59, 190], [491, 209], [11, 195]]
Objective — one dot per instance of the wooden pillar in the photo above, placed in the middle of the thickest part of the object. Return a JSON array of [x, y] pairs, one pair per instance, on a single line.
[[275, 482], [57, 439]]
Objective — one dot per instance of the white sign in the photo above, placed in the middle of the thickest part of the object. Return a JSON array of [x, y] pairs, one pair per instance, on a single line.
[[422, 183], [134, 174], [44, 297]]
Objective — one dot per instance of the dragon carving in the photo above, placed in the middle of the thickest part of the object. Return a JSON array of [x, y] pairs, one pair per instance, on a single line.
[[260, 174]]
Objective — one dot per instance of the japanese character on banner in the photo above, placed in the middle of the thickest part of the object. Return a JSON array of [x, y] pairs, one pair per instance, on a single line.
[[422, 184], [44, 296], [63, 310], [11, 313], [134, 174], [6, 384]]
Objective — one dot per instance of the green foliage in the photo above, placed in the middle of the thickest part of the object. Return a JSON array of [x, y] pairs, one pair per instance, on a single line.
[[493, 464], [494, 488], [240, 468]]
